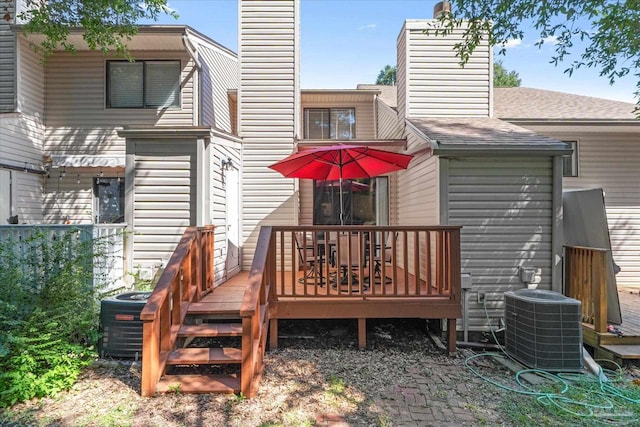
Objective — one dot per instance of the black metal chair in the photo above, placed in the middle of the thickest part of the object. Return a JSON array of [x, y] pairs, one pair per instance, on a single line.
[[309, 260]]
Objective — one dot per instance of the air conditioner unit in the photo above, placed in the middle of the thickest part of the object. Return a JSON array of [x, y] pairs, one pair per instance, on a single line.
[[543, 330], [120, 325]]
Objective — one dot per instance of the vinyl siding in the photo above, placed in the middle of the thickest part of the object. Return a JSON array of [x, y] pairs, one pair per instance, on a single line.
[[611, 161], [435, 84], [30, 81], [219, 74], [7, 59], [76, 118], [21, 139], [505, 208], [365, 117], [217, 189], [418, 187], [401, 73], [66, 199], [164, 198], [268, 105], [389, 124]]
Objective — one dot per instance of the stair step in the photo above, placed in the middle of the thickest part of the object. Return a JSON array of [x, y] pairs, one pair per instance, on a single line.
[[204, 356], [211, 330], [623, 351], [199, 384], [215, 308]]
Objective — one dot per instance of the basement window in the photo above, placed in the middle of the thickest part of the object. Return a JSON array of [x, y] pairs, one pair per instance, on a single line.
[[143, 84], [570, 161]]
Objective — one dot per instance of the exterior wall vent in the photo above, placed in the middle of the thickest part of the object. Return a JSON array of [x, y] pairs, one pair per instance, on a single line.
[[120, 325], [543, 330]]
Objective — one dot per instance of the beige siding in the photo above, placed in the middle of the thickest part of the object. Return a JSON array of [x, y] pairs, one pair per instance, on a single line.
[[267, 100], [30, 81], [611, 161], [401, 72], [7, 59], [164, 198], [76, 118], [435, 84], [418, 187], [66, 199], [219, 74], [365, 117], [505, 208], [21, 138], [389, 124]]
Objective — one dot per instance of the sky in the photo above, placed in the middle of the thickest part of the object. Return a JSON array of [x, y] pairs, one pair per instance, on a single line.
[[346, 42]]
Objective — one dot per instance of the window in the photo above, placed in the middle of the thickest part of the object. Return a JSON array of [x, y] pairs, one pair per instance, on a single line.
[[330, 123], [364, 201], [143, 84], [570, 161], [109, 200]]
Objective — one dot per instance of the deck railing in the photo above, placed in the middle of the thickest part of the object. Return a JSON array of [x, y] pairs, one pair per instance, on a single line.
[[585, 280], [255, 312], [410, 261], [187, 277]]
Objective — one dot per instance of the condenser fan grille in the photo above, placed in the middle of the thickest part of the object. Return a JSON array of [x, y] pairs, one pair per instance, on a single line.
[[543, 330]]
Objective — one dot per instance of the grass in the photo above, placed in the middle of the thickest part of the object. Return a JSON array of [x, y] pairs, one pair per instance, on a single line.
[[583, 404]]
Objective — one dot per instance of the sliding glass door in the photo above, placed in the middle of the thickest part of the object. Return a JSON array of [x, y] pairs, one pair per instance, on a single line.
[[364, 201]]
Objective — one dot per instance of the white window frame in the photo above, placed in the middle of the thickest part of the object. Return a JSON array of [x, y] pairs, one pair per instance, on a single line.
[[572, 159], [145, 104]]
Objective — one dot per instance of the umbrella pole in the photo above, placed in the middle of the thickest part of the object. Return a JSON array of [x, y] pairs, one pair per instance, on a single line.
[[340, 189]]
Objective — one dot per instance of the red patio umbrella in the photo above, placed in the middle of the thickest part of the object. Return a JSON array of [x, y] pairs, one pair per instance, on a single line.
[[340, 162]]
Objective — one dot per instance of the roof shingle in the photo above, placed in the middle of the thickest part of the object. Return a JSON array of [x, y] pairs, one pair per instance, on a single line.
[[529, 103]]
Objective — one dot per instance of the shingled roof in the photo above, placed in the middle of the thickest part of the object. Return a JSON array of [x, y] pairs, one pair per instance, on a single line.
[[529, 103], [482, 133]]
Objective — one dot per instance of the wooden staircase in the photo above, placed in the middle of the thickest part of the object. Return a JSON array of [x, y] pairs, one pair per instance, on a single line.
[[201, 339], [208, 367]]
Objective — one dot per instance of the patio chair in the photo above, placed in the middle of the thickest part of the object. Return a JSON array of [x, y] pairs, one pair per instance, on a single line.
[[383, 255], [309, 260], [349, 260]]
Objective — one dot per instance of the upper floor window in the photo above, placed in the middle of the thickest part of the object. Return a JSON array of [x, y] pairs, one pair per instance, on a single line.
[[329, 123], [143, 84], [570, 161]]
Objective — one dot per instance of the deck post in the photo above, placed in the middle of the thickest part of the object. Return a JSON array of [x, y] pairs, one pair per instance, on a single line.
[[599, 286], [246, 375], [150, 357], [451, 335], [273, 333], [362, 333]]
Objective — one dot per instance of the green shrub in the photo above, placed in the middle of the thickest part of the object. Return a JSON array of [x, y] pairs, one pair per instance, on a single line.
[[48, 312]]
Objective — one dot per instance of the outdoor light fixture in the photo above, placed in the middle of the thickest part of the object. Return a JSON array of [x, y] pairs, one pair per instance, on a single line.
[[101, 173], [226, 164], [78, 179], [64, 172]]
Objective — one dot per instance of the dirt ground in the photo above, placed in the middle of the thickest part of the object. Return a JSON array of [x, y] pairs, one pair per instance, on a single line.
[[316, 377]]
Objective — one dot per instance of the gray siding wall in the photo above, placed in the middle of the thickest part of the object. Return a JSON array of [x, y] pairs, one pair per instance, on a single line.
[[506, 209], [30, 98], [435, 85], [163, 199], [76, 117], [268, 99], [611, 161], [401, 73], [219, 74], [7, 59]]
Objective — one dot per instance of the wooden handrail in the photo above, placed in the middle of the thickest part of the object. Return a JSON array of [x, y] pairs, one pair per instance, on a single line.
[[181, 281], [585, 280], [254, 312]]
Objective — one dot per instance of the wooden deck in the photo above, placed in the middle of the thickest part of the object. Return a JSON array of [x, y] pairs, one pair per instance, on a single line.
[[200, 338]]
